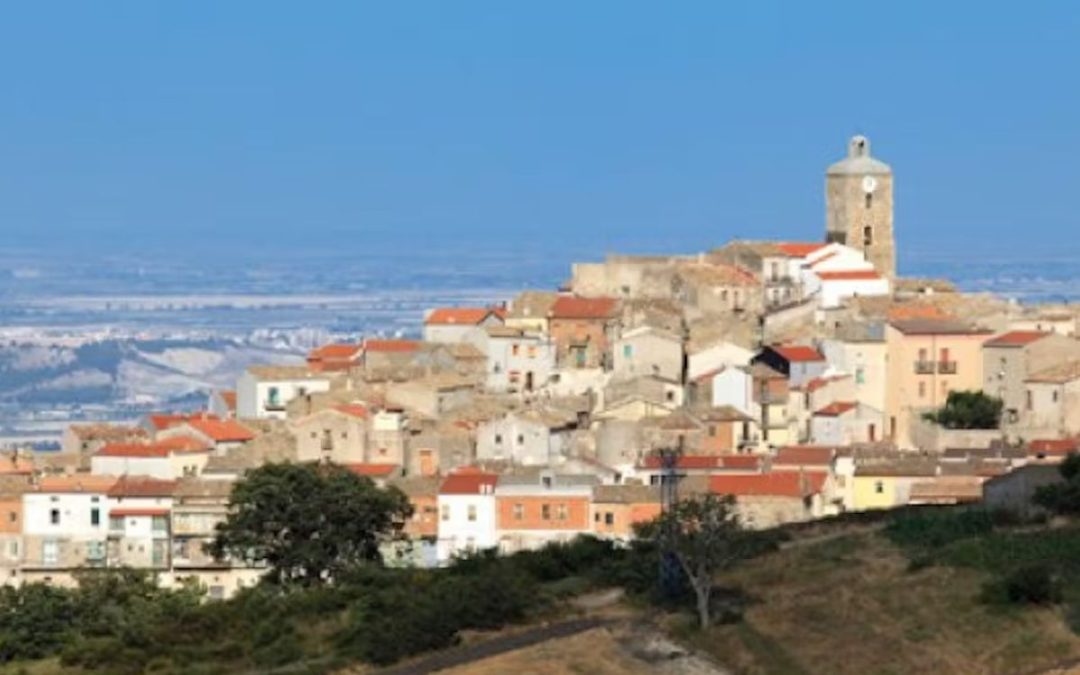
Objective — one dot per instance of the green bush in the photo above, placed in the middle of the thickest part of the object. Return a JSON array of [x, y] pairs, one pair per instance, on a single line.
[[1027, 585], [934, 528]]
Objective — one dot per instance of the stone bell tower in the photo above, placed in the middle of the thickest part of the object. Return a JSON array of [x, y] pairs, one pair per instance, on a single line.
[[859, 205]]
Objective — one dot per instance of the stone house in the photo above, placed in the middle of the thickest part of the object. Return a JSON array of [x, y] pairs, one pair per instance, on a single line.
[[217, 434], [532, 511], [337, 435], [583, 330], [616, 509], [1010, 358], [716, 288], [861, 352], [1052, 402], [526, 438], [334, 357], [845, 423], [433, 395], [774, 498], [388, 359], [927, 359], [799, 363], [517, 361], [262, 392], [459, 324], [529, 310], [86, 439], [647, 350]]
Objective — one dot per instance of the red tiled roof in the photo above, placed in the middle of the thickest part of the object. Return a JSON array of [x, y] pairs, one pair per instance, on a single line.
[[837, 408], [391, 346], [373, 470], [706, 462], [1016, 338], [354, 409], [1053, 446], [457, 316], [162, 448], [142, 486], [816, 383], [76, 483], [798, 353], [773, 484], [916, 311], [222, 431], [136, 513], [334, 352], [849, 275], [571, 307], [799, 249], [469, 483], [804, 455], [162, 421], [818, 261]]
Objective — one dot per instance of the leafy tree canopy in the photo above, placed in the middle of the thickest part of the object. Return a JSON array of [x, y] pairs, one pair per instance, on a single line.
[[968, 410], [309, 523]]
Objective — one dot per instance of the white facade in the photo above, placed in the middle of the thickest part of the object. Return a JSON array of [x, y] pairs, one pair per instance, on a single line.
[[79, 515], [520, 440], [714, 357], [734, 387], [517, 363], [265, 398], [466, 523]]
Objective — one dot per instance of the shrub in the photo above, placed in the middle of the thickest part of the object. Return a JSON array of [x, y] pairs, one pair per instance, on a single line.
[[936, 528], [1027, 585]]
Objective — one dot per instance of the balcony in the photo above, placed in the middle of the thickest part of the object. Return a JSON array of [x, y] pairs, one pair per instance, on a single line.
[[924, 367], [275, 405], [946, 367]]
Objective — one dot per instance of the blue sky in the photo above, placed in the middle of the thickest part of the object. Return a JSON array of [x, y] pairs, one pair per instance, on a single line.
[[617, 125]]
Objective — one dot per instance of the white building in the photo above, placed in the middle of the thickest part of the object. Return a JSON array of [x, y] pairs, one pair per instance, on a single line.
[[460, 324], [65, 524], [466, 506], [734, 387], [517, 361], [529, 438], [264, 391], [716, 356]]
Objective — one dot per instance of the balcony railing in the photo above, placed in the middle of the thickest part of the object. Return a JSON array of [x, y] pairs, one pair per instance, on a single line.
[[274, 405], [946, 367], [924, 367]]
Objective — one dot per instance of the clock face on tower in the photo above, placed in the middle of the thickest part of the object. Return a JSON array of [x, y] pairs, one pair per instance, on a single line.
[[869, 183]]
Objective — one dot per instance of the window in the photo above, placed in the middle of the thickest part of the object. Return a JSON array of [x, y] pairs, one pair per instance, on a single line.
[[712, 430], [54, 516], [867, 236], [116, 523], [95, 517], [945, 354], [472, 513], [444, 512], [521, 439], [159, 524], [545, 511], [1029, 404], [860, 376], [273, 396], [515, 350], [13, 549], [532, 351], [519, 511], [13, 516], [498, 439], [1054, 396], [869, 200], [95, 551], [628, 351], [609, 518], [922, 355], [922, 390], [50, 552], [596, 517], [879, 487], [561, 512]]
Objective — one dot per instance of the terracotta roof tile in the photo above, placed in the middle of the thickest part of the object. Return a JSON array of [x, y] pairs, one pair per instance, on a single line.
[[798, 353], [804, 455], [849, 275], [229, 397], [222, 431], [1016, 338], [572, 307], [837, 408], [799, 249], [707, 462], [458, 316], [142, 486], [373, 470], [470, 482], [1053, 446], [773, 484], [76, 483], [137, 513], [353, 409]]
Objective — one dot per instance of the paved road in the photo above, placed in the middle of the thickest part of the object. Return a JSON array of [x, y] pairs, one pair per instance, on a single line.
[[465, 654]]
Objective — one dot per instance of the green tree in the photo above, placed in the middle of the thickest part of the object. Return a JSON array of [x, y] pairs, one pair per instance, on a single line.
[[309, 522], [35, 621], [705, 536], [968, 410], [1063, 497]]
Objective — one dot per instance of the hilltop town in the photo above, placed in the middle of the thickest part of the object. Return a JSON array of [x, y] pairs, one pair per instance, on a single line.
[[796, 376]]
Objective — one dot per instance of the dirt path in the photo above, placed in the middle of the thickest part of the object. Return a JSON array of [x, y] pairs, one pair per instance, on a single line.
[[466, 654]]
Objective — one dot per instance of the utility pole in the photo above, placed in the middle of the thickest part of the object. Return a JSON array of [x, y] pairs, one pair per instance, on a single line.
[[669, 496]]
